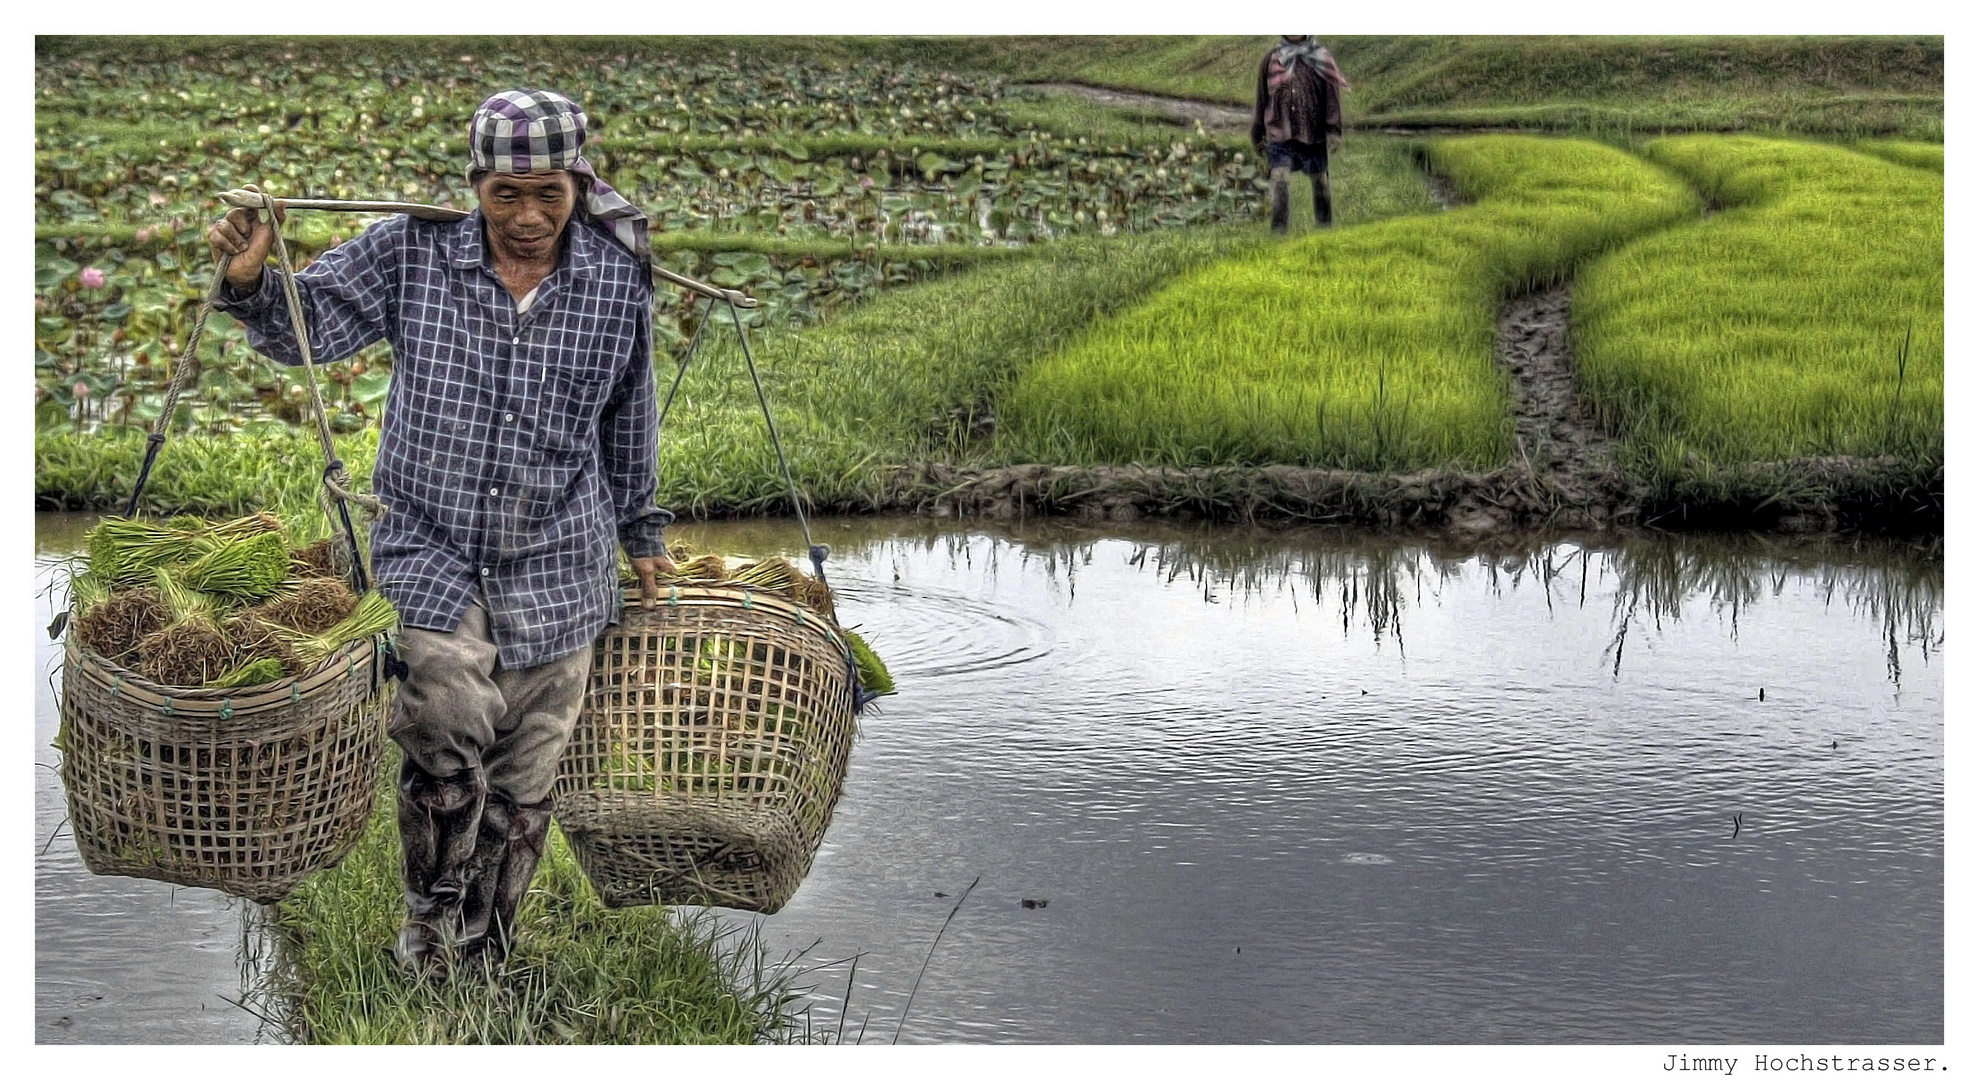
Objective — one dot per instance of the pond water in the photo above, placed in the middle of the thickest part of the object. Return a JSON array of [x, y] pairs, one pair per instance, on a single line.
[[1300, 787]]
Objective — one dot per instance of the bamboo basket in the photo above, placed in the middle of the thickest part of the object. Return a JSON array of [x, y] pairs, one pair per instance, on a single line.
[[710, 751], [248, 790]]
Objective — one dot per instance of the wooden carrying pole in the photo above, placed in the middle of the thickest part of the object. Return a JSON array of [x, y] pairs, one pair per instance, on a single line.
[[254, 200]]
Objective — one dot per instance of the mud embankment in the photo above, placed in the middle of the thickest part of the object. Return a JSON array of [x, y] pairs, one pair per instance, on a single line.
[[1565, 475]]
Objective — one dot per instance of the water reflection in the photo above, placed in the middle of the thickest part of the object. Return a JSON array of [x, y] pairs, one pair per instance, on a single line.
[[1314, 787]]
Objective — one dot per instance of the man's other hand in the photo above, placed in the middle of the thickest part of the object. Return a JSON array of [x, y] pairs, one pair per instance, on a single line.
[[649, 571], [1333, 144]]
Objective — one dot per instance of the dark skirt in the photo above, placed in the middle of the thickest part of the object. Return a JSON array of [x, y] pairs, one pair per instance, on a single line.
[[1299, 156]]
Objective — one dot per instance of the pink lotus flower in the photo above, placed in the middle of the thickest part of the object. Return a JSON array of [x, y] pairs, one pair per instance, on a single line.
[[92, 278], [865, 182], [143, 234], [81, 390]]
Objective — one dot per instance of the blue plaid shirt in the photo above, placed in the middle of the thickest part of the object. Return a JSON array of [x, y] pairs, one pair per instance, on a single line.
[[517, 452]]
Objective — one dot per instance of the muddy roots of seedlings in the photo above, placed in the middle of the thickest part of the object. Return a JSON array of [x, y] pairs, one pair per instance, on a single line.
[[256, 639], [116, 626], [192, 653], [317, 604], [322, 559]]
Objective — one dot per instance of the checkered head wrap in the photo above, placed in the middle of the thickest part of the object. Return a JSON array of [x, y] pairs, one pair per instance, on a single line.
[[536, 131]]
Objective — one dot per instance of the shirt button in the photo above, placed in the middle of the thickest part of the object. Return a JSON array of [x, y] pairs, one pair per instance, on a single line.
[[515, 341], [510, 417], [494, 491], [485, 571]]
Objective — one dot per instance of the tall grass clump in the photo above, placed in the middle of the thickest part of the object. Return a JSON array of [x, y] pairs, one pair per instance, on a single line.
[[579, 972], [1807, 319], [1368, 348]]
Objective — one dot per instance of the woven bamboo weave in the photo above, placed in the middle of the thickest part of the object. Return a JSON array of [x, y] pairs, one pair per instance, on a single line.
[[710, 751], [245, 790]]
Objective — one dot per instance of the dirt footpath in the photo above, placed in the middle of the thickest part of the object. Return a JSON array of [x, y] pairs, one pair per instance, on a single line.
[[1214, 118], [1559, 440]]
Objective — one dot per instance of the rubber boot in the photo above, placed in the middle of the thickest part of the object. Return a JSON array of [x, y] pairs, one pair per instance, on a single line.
[[506, 851], [439, 824], [480, 877], [1322, 199], [528, 833], [1281, 205]]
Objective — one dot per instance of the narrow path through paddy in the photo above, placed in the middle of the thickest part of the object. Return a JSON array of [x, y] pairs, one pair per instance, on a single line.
[[1559, 438]]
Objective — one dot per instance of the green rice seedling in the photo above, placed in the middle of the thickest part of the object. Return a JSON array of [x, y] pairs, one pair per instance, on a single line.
[[191, 649], [126, 552], [1367, 348], [246, 569], [1921, 155], [373, 615], [86, 590], [1805, 320], [182, 601], [872, 672], [252, 673]]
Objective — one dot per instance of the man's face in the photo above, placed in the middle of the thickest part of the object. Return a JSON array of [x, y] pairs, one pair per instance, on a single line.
[[526, 214]]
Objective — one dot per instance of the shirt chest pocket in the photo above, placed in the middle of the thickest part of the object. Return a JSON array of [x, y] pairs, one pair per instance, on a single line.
[[572, 395]]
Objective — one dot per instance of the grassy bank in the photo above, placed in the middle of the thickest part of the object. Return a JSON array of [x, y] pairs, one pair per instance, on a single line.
[[580, 972], [1613, 85], [1367, 348], [1805, 320], [194, 474]]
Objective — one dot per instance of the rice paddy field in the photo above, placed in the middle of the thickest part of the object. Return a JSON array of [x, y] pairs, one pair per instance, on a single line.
[[1365, 349], [963, 274], [1806, 318]]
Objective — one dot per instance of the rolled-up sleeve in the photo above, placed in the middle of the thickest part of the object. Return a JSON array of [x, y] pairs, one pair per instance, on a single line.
[[347, 299], [630, 434]]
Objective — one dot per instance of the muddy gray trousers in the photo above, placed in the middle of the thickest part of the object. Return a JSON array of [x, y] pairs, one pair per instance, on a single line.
[[481, 746]]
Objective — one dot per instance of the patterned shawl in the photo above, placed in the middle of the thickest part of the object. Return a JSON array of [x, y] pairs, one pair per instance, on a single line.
[[1315, 55]]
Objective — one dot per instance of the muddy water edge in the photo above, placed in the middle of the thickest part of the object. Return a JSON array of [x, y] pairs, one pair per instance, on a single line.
[[1233, 785]]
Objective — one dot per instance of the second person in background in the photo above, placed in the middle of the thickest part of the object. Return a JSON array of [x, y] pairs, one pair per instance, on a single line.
[[1295, 123]]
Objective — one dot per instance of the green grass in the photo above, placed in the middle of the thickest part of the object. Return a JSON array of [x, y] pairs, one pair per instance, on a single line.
[[1070, 116], [194, 474], [1367, 348], [1775, 329], [1920, 155], [579, 972], [900, 379], [1617, 84]]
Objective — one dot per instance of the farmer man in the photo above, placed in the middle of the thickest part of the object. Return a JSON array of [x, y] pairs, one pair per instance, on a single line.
[[517, 455], [1295, 123]]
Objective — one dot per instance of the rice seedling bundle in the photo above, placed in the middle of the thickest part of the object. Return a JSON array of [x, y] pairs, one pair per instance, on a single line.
[[1365, 348], [207, 740], [777, 575], [190, 604], [1805, 319]]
